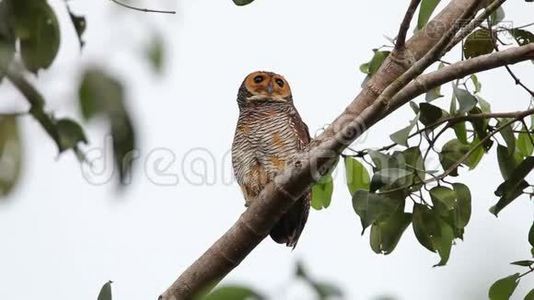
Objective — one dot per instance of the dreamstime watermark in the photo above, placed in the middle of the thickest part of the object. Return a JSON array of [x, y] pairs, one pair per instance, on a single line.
[[199, 166]]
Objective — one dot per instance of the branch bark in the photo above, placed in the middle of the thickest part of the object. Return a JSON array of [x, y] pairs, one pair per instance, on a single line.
[[364, 111]]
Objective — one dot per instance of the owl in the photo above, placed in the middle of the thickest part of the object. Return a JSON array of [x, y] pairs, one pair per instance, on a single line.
[[268, 136]]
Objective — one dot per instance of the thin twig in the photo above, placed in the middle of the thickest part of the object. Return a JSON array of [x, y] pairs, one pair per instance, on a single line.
[[405, 25], [523, 26], [144, 9], [508, 69]]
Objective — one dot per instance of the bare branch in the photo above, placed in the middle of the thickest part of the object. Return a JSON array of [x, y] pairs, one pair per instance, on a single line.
[[144, 9], [401, 37]]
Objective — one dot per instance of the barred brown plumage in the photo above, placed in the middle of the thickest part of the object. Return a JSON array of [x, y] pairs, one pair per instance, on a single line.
[[269, 134]]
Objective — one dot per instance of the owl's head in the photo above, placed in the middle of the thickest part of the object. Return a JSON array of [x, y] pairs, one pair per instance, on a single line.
[[263, 86]]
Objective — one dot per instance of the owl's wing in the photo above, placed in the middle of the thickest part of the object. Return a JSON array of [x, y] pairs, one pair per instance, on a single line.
[[288, 229], [301, 130]]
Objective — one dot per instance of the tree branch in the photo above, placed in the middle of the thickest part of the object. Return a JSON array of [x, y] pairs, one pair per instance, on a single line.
[[401, 37], [450, 121], [459, 70], [364, 111], [36, 100], [144, 9], [475, 23]]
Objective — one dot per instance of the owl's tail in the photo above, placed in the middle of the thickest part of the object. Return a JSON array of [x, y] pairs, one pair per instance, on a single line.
[[289, 227]]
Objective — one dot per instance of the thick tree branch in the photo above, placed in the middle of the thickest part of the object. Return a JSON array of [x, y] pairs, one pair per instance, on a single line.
[[254, 224]]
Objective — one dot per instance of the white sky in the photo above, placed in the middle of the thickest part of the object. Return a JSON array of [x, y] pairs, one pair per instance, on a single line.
[[62, 237]]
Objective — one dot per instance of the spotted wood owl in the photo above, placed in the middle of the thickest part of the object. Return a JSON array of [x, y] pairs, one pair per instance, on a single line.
[[269, 134]]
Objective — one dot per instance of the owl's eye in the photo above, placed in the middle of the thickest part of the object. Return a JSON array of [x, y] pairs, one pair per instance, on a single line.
[[280, 82], [258, 79]]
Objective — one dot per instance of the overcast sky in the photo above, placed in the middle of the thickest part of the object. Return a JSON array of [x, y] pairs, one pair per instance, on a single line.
[[63, 236]]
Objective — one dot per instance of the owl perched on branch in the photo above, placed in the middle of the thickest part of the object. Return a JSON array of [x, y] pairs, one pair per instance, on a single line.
[[269, 134]]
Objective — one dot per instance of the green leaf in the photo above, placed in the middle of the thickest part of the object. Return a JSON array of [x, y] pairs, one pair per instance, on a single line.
[[414, 107], [503, 288], [507, 162], [364, 68], [451, 152], [411, 159], [531, 235], [382, 161], [476, 155], [123, 135], [523, 263], [7, 36], [100, 93], [463, 204], [478, 43], [443, 197], [466, 100], [481, 127], [357, 175], [485, 106], [434, 93], [322, 193], [326, 290], [522, 37], [429, 114], [387, 179], [401, 137], [476, 83], [524, 142], [507, 134], [497, 16], [70, 134], [442, 242], [10, 154], [37, 28], [233, 293], [155, 54], [376, 61], [461, 132], [530, 295], [425, 11], [80, 24], [514, 186], [242, 2], [371, 207], [105, 292], [424, 225], [386, 234]]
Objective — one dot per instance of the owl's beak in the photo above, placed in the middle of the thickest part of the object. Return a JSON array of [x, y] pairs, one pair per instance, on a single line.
[[270, 88]]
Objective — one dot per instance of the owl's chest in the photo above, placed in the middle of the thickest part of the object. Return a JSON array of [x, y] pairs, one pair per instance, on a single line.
[[261, 131], [259, 121]]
